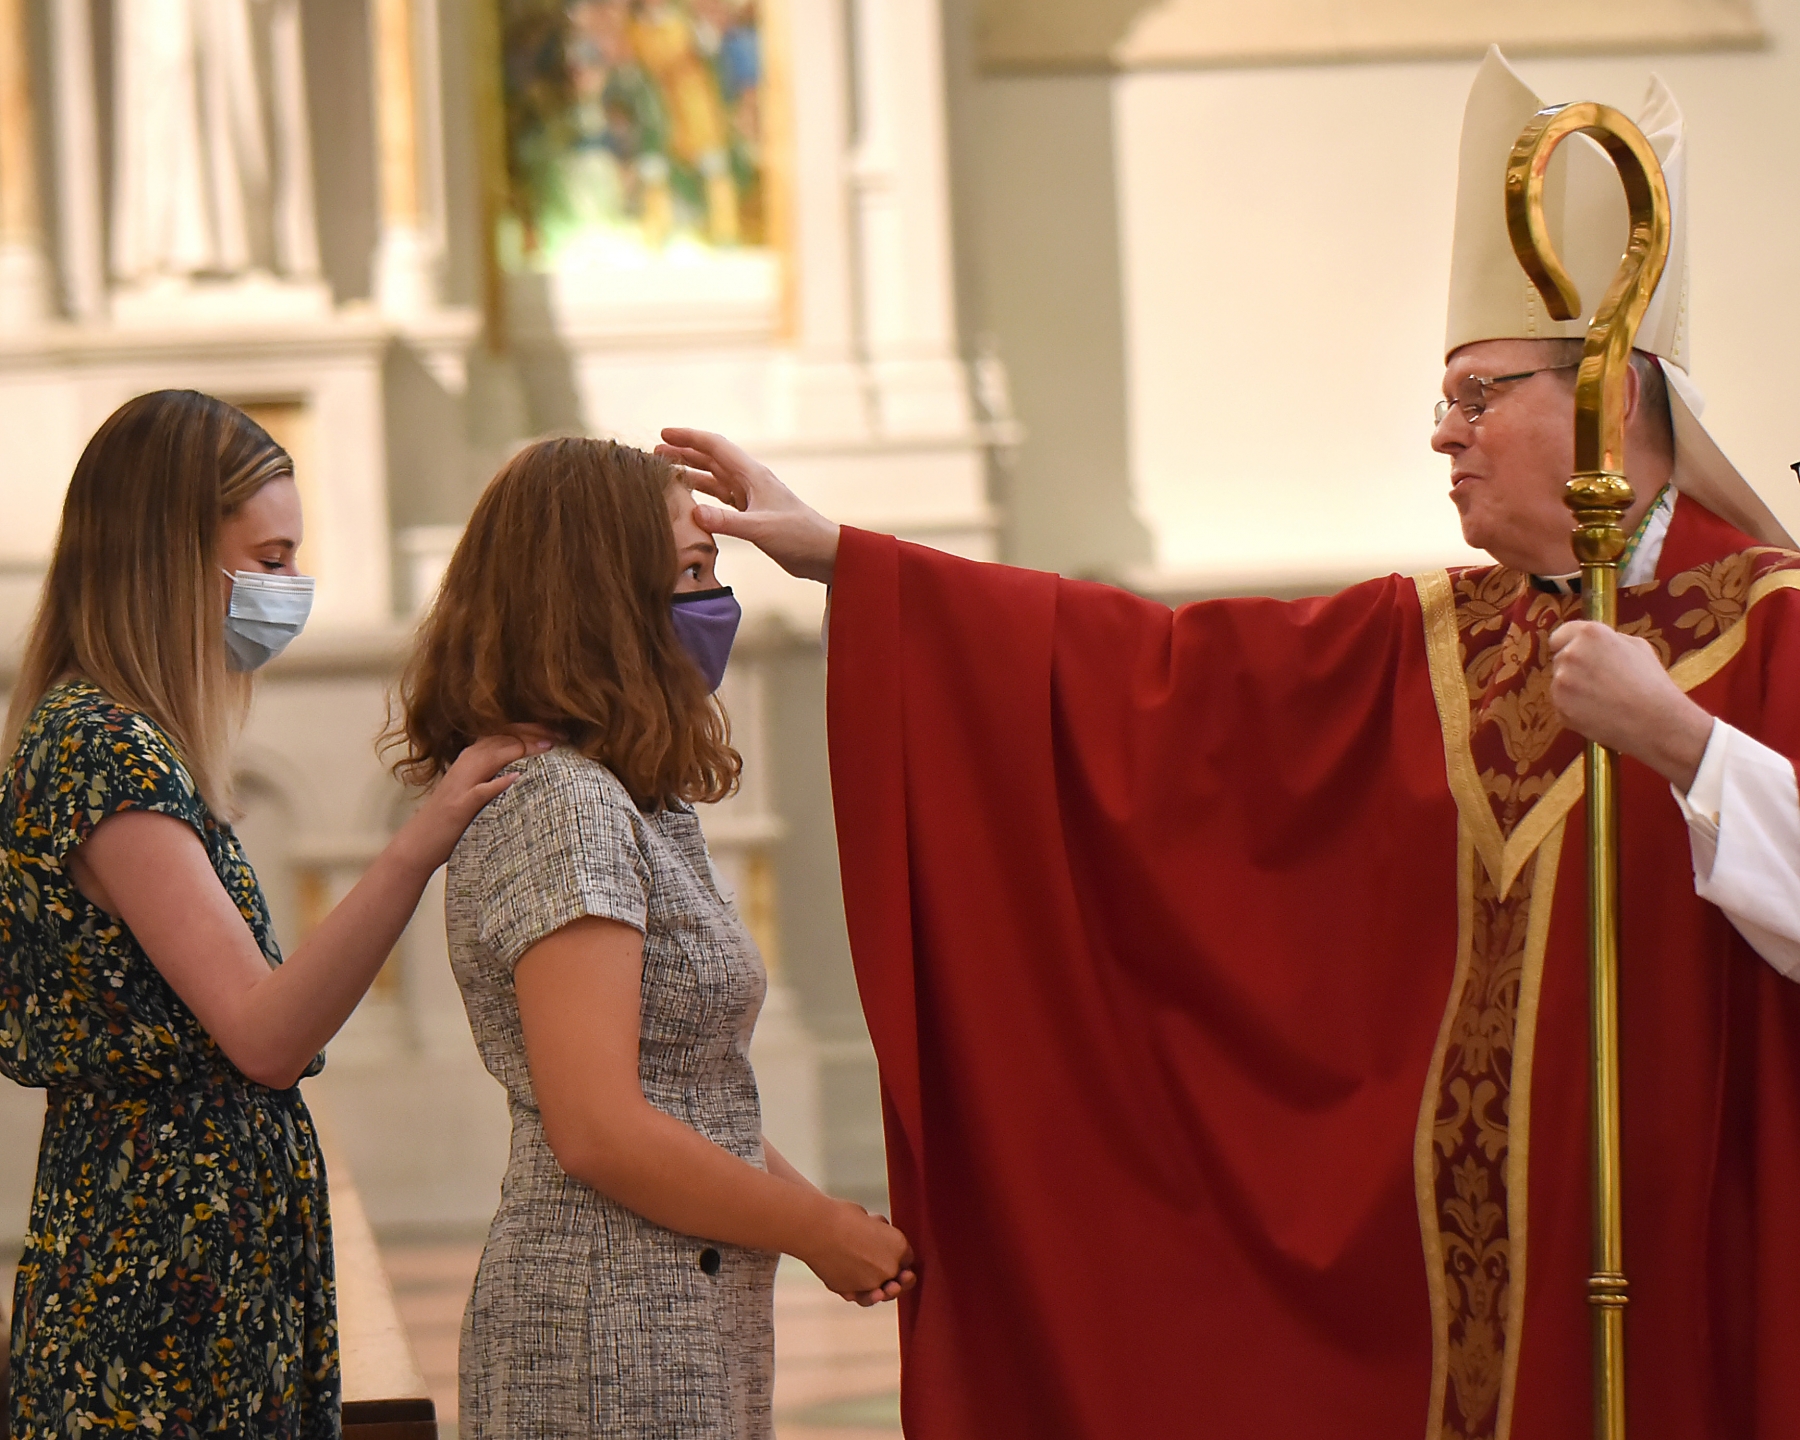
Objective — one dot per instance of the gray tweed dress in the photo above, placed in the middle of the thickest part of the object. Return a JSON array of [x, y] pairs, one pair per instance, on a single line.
[[587, 1319]]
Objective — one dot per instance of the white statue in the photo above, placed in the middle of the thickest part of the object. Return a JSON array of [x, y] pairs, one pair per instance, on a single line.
[[198, 189]]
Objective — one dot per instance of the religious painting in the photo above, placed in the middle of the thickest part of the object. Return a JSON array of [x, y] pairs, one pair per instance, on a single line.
[[1149, 34], [633, 127]]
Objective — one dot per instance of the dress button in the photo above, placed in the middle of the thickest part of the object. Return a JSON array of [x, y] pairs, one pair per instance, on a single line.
[[709, 1260]]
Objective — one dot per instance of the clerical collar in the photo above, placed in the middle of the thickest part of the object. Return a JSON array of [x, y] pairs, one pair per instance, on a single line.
[[1637, 566]]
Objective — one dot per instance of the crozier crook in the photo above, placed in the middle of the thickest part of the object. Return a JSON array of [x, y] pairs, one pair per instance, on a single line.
[[1599, 495], [1600, 382]]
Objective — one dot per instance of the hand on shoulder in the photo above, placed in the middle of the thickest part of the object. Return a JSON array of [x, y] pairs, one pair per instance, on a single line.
[[473, 779]]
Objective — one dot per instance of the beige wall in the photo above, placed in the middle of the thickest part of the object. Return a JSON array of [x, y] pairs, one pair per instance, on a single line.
[[1284, 294], [1034, 184], [1133, 34], [1283, 242]]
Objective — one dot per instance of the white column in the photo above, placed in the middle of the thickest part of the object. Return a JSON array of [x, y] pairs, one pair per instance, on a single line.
[[296, 219], [80, 225], [806, 38], [405, 257], [900, 175], [24, 277], [741, 833], [428, 86]]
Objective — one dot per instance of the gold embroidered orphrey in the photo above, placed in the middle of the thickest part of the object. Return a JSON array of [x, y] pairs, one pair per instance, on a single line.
[[1515, 773]]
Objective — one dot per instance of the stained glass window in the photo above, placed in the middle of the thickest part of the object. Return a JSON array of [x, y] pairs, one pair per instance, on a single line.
[[632, 126]]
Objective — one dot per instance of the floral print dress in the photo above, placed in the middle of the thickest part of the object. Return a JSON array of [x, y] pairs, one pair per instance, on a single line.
[[176, 1277]]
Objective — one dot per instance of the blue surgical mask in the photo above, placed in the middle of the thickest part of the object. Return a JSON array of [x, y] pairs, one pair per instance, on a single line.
[[266, 612], [706, 622]]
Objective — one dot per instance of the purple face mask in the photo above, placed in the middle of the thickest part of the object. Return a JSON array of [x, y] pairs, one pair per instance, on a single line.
[[706, 622]]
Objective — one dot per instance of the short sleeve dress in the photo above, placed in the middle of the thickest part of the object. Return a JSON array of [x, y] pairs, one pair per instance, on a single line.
[[176, 1278], [586, 1318]]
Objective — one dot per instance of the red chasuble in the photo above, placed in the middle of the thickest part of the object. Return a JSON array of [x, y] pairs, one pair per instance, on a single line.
[[1227, 970]]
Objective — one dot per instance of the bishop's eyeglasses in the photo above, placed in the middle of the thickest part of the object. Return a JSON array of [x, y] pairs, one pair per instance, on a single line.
[[1472, 392]]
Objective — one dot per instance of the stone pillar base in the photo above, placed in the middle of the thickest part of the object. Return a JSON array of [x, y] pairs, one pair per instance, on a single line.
[[24, 287], [786, 1059], [405, 280]]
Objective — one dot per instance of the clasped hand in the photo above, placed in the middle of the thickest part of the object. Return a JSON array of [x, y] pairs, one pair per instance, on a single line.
[[1612, 688], [861, 1256]]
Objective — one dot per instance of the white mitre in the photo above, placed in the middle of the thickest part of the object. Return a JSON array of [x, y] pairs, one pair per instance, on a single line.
[[1584, 207]]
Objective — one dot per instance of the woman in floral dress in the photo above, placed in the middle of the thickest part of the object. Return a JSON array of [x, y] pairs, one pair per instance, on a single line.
[[176, 1278]]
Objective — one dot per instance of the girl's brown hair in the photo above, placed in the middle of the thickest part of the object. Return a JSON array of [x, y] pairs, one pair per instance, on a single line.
[[133, 600], [555, 611]]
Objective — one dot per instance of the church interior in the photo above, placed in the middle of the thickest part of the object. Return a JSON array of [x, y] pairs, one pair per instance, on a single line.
[[1144, 291]]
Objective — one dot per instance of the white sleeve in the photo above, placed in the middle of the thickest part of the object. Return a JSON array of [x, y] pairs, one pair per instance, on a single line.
[[1743, 815]]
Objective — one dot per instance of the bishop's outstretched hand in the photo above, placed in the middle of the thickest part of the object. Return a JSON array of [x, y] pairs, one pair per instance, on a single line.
[[762, 510]]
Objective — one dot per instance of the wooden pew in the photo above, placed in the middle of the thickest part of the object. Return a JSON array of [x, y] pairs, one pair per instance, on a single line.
[[384, 1394]]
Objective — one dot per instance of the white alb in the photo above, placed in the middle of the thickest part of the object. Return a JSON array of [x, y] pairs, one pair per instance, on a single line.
[[1743, 817]]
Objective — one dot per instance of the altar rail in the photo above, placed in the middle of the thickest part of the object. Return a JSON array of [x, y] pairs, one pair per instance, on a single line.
[[385, 1397]]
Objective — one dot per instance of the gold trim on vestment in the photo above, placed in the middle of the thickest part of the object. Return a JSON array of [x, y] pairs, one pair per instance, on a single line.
[[1474, 1116], [1504, 856], [1424, 1138], [1443, 654], [1518, 1147], [1698, 666], [1489, 1283]]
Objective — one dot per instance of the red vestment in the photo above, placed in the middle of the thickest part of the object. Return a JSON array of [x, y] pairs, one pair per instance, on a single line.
[[1203, 951]]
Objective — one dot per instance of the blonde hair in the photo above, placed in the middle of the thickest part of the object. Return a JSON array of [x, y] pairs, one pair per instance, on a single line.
[[555, 610], [132, 601]]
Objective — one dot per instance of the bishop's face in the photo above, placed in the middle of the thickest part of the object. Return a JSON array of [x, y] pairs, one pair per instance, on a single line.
[[1508, 467]]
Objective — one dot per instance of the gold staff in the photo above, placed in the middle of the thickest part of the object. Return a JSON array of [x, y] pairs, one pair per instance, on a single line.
[[1599, 496]]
